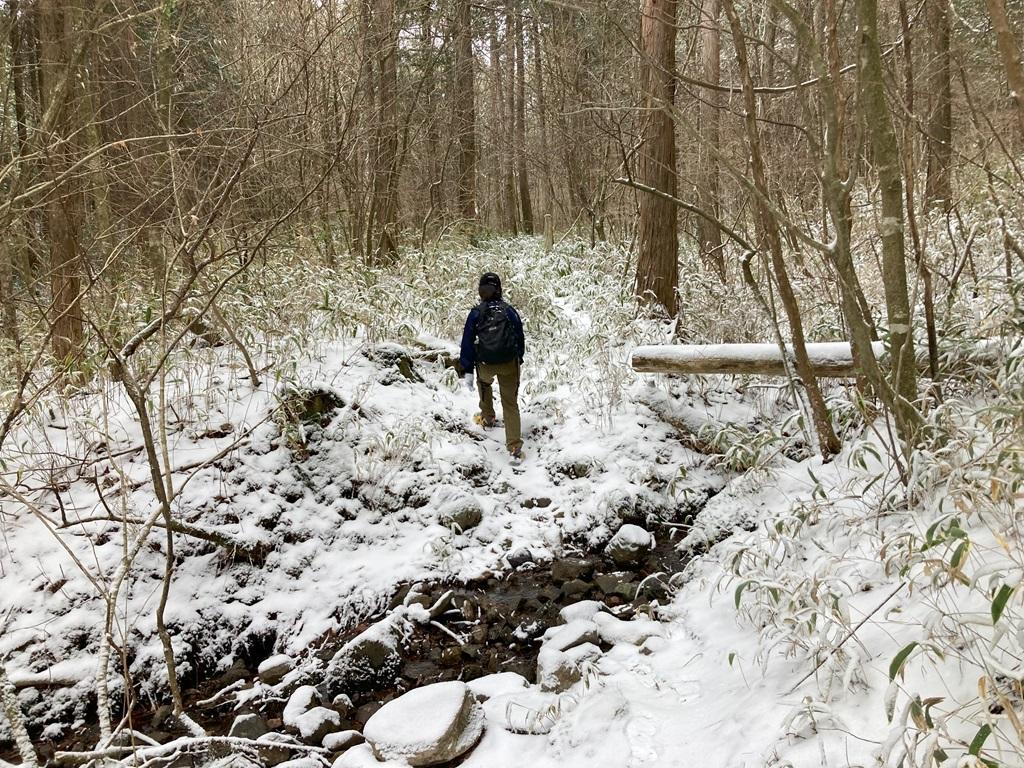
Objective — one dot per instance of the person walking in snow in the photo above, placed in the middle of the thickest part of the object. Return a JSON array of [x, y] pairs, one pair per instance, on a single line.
[[493, 343]]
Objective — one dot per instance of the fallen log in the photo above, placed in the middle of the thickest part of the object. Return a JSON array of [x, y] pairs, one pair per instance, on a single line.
[[830, 359], [827, 359]]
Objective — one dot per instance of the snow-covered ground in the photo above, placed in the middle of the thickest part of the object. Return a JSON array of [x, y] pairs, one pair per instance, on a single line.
[[782, 646]]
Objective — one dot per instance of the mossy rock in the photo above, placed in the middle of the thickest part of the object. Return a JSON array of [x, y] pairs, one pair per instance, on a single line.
[[395, 357], [311, 405]]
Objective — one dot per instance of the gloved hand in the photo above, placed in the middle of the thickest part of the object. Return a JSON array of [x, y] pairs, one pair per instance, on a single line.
[[469, 381]]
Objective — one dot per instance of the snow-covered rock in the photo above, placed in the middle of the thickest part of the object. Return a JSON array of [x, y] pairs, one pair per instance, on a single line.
[[629, 544], [498, 684], [558, 671], [584, 609], [339, 741], [426, 726], [311, 722], [566, 636], [527, 711], [456, 508], [248, 726], [272, 670], [613, 630]]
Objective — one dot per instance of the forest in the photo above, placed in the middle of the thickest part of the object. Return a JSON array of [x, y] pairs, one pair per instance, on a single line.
[[582, 383]]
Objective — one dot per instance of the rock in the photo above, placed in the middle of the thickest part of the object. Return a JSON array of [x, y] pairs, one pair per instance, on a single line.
[[614, 631], [654, 588], [575, 589], [301, 701], [343, 705], [530, 712], [359, 756], [499, 684], [456, 508], [635, 507], [567, 636], [342, 740], [311, 722], [520, 557], [568, 568], [538, 503], [451, 656], [607, 582], [368, 661], [310, 405], [395, 357], [427, 726], [557, 671], [273, 670], [248, 726], [270, 754], [629, 545], [585, 609], [368, 710], [546, 594]]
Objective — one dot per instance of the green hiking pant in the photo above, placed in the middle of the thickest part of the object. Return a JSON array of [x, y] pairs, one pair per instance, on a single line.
[[507, 375]]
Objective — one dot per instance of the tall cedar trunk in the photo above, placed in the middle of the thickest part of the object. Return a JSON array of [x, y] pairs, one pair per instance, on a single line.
[[1010, 54], [465, 118], [64, 203], [938, 184], [505, 196], [508, 123], [657, 270], [875, 114], [384, 206], [827, 438], [542, 117], [710, 105], [525, 206]]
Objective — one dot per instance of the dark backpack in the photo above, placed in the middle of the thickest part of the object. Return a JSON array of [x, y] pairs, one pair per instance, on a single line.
[[495, 336]]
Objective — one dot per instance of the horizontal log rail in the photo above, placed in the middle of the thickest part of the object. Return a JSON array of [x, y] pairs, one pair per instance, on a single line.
[[830, 359]]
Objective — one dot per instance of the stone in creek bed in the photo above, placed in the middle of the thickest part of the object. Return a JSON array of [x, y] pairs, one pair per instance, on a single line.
[[520, 557], [575, 589], [569, 568]]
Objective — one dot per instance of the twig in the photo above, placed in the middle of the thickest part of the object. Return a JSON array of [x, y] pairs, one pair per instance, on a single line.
[[850, 634]]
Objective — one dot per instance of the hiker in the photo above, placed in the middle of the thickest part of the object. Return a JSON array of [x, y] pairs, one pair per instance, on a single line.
[[494, 344]]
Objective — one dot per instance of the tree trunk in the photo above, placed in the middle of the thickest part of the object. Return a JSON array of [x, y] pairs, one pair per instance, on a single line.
[[64, 203], [829, 442], [522, 173], [657, 275], [1010, 53], [876, 115], [508, 145], [938, 184], [384, 206], [710, 105], [465, 120], [542, 118]]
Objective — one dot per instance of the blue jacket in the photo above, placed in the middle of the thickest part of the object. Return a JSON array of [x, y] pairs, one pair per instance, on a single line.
[[467, 357]]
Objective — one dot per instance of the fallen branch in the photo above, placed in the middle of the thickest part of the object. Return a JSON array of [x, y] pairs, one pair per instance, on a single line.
[[185, 743]]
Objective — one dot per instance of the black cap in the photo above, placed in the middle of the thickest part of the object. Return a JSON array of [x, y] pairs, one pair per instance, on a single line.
[[489, 278]]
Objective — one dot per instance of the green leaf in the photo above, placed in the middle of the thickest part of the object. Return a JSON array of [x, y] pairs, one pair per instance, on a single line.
[[999, 604], [732, 657], [900, 660], [958, 554], [979, 740], [739, 592]]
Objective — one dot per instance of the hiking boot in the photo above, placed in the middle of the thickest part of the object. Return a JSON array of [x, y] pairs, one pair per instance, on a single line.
[[483, 422]]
